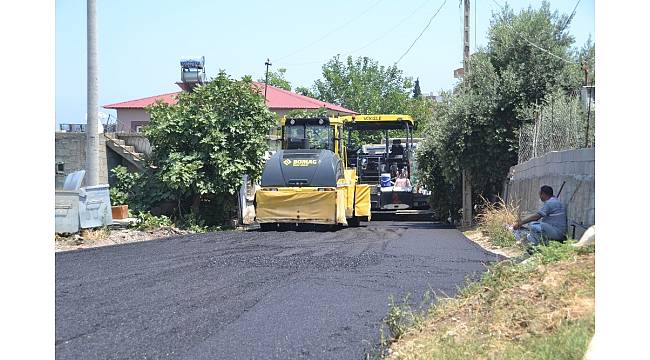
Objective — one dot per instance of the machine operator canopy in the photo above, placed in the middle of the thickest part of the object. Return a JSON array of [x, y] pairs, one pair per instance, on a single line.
[[378, 122], [307, 133]]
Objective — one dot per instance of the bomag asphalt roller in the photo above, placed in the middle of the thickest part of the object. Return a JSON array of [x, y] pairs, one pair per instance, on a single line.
[[308, 182]]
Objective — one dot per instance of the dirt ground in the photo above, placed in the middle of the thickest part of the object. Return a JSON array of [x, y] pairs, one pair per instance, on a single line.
[[105, 237]]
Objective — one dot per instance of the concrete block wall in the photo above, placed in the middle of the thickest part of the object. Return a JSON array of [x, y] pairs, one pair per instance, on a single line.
[[574, 167], [70, 148]]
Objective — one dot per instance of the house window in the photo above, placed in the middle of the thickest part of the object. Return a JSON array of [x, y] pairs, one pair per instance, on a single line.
[[139, 128]]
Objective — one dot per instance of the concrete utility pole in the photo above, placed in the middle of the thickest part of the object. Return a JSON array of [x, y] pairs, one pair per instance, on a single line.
[[466, 38], [467, 185], [92, 136]]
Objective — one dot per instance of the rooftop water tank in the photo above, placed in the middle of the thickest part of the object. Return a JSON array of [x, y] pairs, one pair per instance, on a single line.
[[192, 72]]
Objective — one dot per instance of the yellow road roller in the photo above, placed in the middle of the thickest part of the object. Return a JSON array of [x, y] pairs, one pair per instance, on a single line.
[[308, 182]]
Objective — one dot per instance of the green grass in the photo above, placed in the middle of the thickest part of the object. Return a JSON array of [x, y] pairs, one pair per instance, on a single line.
[[569, 341], [514, 311]]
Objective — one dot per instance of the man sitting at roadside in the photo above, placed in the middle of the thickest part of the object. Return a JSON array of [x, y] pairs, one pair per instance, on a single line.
[[553, 224]]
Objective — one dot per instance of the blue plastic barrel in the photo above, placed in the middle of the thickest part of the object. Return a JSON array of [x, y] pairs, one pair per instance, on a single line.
[[385, 180]]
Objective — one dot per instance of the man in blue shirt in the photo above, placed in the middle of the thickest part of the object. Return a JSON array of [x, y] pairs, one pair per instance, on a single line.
[[553, 224]]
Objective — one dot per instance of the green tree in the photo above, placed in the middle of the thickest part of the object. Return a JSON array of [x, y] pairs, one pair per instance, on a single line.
[[421, 110], [212, 136], [364, 86], [512, 53], [277, 79], [307, 113], [303, 90], [477, 128], [416, 91]]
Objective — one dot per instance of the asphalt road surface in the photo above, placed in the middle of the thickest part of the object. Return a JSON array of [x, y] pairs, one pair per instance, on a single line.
[[252, 295]]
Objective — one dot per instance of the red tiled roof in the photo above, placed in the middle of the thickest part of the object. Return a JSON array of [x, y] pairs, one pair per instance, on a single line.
[[276, 98], [169, 98]]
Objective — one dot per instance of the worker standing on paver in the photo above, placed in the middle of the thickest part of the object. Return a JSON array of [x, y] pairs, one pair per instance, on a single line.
[[553, 224]]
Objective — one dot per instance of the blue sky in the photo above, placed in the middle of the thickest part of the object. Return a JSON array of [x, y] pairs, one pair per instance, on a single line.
[[141, 42]]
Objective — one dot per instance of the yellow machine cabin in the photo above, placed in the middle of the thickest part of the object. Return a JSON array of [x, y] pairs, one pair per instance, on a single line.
[[308, 182]]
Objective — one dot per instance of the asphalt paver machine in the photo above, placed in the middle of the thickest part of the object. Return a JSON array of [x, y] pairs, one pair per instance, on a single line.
[[380, 165]]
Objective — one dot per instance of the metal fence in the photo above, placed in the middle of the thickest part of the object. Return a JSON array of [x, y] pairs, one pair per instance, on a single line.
[[562, 123]]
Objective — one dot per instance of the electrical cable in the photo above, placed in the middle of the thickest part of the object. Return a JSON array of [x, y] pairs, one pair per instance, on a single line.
[[422, 32], [389, 31], [509, 26], [346, 23], [573, 13]]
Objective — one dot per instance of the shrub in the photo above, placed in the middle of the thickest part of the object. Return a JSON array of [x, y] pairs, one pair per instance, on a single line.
[[146, 221], [125, 187], [494, 221], [193, 223], [118, 197]]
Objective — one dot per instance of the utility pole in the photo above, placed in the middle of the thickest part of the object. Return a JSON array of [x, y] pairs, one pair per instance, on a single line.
[[266, 82], [585, 68], [92, 136], [466, 38], [467, 185]]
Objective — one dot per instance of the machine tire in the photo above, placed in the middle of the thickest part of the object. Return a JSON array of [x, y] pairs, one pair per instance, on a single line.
[[353, 221]]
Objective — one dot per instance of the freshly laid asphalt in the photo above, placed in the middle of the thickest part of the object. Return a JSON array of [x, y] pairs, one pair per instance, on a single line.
[[252, 295]]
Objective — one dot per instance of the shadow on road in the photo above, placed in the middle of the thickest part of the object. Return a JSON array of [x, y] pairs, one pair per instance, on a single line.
[[403, 224], [412, 224]]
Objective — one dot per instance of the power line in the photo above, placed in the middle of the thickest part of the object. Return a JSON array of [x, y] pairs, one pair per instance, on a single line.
[[509, 26], [422, 32], [383, 35], [346, 23], [573, 13], [475, 13], [391, 29]]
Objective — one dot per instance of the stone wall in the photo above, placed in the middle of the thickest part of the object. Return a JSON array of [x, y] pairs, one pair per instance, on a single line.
[[576, 168], [70, 150]]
